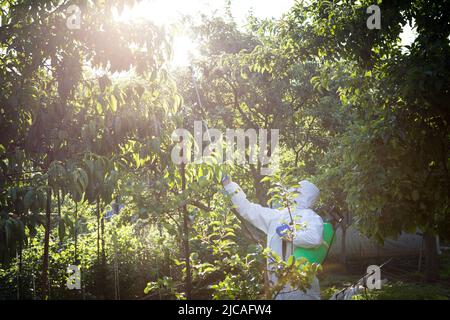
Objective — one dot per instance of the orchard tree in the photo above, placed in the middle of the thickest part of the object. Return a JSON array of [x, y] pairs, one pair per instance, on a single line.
[[391, 163], [66, 125]]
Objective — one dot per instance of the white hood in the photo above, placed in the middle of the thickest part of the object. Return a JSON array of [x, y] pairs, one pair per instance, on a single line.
[[308, 194]]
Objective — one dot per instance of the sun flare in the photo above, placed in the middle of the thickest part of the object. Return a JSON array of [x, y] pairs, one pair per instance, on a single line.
[[166, 14]]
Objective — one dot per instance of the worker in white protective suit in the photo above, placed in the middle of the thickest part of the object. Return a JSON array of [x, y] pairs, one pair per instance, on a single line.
[[271, 221]]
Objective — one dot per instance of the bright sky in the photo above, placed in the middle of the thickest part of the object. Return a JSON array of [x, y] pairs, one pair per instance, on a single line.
[[167, 12]]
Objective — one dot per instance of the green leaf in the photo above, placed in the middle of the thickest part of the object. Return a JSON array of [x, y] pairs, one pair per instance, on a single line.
[[290, 261], [29, 199], [113, 103]]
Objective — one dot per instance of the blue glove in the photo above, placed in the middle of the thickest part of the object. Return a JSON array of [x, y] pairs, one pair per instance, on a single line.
[[224, 177], [283, 230]]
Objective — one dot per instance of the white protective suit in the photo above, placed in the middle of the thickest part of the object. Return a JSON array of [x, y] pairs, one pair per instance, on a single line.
[[268, 219]]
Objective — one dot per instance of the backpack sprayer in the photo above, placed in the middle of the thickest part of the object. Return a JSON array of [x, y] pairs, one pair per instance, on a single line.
[[319, 254]]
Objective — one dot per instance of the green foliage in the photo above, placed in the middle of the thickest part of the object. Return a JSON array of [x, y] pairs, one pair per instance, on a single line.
[[12, 237], [296, 274], [365, 117], [399, 291]]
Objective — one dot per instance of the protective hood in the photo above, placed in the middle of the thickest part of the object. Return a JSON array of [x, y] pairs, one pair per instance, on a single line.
[[308, 194]]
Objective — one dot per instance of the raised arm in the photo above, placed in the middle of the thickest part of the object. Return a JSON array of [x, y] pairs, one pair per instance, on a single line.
[[259, 216]]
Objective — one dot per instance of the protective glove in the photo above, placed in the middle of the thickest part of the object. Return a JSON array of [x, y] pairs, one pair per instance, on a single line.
[[284, 231], [225, 180]]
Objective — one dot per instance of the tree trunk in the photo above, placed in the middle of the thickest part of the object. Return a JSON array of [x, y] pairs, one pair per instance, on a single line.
[[76, 235], [260, 188], [98, 229], [101, 258], [103, 268], [44, 278], [103, 243], [343, 257], [431, 258], [187, 252], [19, 275]]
